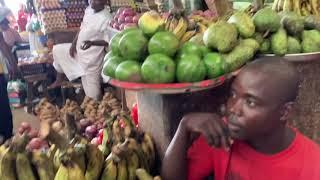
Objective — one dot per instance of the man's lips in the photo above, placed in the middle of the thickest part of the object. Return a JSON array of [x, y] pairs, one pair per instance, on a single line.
[[232, 125]]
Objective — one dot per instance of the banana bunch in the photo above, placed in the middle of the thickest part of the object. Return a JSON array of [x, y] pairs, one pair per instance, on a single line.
[[302, 7], [126, 158], [142, 174], [177, 26]]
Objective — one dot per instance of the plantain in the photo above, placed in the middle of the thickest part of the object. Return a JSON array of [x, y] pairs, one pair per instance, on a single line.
[[122, 170], [43, 165], [181, 28], [78, 155], [187, 36], [287, 5], [297, 6], [275, 5], [56, 160], [142, 174], [157, 178], [110, 172], [315, 4], [69, 171], [133, 164], [7, 165], [173, 24], [167, 22], [134, 146], [150, 145], [95, 162], [280, 5], [23, 167]]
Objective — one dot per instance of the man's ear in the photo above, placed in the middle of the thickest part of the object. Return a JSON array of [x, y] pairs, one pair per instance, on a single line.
[[285, 112]]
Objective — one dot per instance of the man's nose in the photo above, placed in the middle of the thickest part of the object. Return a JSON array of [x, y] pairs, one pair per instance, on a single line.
[[236, 107]]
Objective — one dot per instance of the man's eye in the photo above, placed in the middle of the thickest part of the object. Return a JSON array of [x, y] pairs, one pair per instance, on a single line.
[[250, 103], [233, 94]]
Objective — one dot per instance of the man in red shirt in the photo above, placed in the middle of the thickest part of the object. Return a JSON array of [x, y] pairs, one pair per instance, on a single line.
[[254, 141]]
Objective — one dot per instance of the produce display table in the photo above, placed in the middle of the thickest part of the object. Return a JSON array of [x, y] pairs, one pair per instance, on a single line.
[[162, 106]]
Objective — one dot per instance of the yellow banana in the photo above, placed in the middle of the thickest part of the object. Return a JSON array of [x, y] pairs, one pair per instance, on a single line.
[[23, 167], [142, 174], [275, 5], [122, 170], [280, 5], [70, 171], [78, 156], [167, 23], [150, 145], [297, 6], [202, 27], [43, 165], [315, 4], [147, 153], [157, 178], [133, 164], [308, 6], [187, 36], [95, 162], [56, 160], [181, 28], [173, 24], [110, 171], [134, 146], [7, 165], [287, 5], [116, 131]]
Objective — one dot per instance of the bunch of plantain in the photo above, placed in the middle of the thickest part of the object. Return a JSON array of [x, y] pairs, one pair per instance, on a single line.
[[47, 111], [72, 107], [142, 174], [123, 161], [90, 107], [109, 105], [176, 25], [301, 7]]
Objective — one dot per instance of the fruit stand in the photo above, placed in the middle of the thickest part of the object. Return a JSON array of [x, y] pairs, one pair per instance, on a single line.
[[163, 100]]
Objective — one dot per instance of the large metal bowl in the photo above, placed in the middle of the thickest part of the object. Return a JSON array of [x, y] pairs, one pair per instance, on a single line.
[[302, 57]]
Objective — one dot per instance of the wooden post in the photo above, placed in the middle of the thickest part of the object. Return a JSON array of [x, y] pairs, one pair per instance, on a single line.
[[160, 114]]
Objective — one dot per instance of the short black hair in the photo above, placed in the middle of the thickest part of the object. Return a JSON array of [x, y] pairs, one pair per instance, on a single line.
[[5, 21], [280, 70]]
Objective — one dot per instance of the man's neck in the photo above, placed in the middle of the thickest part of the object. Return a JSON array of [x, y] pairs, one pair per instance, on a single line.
[[276, 142]]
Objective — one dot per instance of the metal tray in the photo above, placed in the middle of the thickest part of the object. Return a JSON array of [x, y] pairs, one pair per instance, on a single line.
[[172, 88], [302, 57]]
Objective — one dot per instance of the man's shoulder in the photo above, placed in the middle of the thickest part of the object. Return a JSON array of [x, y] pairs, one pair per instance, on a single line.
[[310, 146]]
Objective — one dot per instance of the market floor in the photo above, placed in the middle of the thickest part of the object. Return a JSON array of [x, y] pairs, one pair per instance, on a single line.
[[19, 116]]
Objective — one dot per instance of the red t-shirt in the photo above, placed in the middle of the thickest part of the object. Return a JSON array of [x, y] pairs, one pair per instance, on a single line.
[[300, 161]]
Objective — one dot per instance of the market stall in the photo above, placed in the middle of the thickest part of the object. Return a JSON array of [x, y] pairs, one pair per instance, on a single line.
[[163, 101], [171, 65]]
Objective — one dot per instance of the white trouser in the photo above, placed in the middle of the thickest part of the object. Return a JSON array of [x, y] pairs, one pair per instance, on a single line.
[[64, 63]]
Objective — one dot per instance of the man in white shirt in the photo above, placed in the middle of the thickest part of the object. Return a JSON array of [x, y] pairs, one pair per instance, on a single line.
[[84, 57]]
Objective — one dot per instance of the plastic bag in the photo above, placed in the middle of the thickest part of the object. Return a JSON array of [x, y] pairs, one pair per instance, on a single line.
[[16, 86]]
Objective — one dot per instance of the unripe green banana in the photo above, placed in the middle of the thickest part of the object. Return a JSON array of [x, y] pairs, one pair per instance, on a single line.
[[95, 162], [70, 171], [110, 171], [142, 174], [122, 170], [23, 167], [7, 165], [43, 165], [133, 164]]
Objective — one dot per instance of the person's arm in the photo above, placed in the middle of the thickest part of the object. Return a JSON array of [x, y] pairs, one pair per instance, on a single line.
[[87, 44], [12, 62], [175, 164]]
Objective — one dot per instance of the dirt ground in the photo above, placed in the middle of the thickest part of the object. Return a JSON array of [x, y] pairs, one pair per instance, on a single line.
[[19, 115]]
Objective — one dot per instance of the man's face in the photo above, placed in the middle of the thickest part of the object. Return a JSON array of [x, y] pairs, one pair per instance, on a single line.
[[253, 106], [97, 5]]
